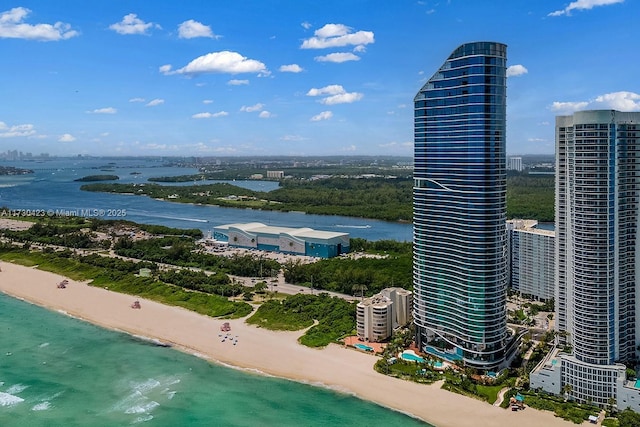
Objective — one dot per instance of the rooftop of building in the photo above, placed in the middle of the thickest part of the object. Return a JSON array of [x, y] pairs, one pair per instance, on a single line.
[[399, 291], [530, 226], [376, 301], [304, 232]]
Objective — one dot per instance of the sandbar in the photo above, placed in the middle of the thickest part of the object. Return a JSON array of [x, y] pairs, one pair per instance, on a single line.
[[256, 349]]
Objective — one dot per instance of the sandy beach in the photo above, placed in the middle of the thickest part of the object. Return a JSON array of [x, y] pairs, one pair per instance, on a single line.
[[256, 349]]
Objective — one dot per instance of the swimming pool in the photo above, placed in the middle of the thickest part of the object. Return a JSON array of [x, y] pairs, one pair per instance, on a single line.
[[363, 347], [409, 355]]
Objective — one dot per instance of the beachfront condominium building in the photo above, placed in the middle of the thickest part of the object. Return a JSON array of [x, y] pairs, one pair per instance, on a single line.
[[531, 259], [379, 315], [459, 208], [402, 302], [597, 253], [374, 318]]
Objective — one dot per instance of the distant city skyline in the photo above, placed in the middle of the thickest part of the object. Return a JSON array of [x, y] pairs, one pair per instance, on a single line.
[[292, 78]]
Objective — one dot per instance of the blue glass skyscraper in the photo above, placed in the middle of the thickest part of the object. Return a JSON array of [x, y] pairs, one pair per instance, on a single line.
[[459, 208]]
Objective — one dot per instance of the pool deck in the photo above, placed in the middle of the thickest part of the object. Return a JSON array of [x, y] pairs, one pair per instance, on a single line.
[[378, 348]]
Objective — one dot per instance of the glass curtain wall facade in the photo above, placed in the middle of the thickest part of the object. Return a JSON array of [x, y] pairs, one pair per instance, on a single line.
[[459, 206]]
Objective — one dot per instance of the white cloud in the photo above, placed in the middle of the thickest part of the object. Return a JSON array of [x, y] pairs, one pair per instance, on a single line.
[[621, 101], [107, 110], [583, 5], [338, 57], [236, 82], [337, 35], [155, 102], [137, 100], [306, 25], [360, 49], [291, 68], [252, 108], [516, 70], [209, 115], [16, 130], [191, 29], [293, 138], [13, 27], [388, 145], [327, 90], [568, 106], [349, 148], [536, 140], [343, 98], [325, 115], [207, 101], [159, 147], [131, 24], [337, 95], [67, 137], [219, 62], [397, 145], [265, 114]]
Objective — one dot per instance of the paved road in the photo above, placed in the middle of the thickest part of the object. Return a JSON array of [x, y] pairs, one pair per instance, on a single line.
[[290, 289]]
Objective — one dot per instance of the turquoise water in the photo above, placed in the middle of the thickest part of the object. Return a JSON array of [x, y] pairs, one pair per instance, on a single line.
[[409, 356], [59, 371], [637, 385], [363, 347]]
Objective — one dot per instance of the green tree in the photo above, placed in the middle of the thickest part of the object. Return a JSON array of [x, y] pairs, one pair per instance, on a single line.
[[359, 288]]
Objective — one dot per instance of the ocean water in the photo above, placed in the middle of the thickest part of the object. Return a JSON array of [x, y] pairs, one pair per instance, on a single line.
[[60, 371]]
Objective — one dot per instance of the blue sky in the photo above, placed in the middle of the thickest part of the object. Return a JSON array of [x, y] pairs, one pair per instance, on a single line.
[[296, 77]]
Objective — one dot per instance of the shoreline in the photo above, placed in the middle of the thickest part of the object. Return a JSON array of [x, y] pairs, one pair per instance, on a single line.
[[260, 351]]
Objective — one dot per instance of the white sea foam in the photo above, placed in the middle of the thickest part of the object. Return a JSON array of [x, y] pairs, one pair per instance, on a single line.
[[17, 388], [7, 399], [44, 344], [142, 408], [248, 370], [143, 419], [42, 406], [138, 401], [146, 386]]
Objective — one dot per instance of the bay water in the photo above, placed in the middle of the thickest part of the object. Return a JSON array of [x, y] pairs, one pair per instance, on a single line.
[[53, 188]]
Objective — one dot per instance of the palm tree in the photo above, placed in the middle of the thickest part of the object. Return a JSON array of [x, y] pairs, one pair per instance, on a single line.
[[361, 288], [566, 390]]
